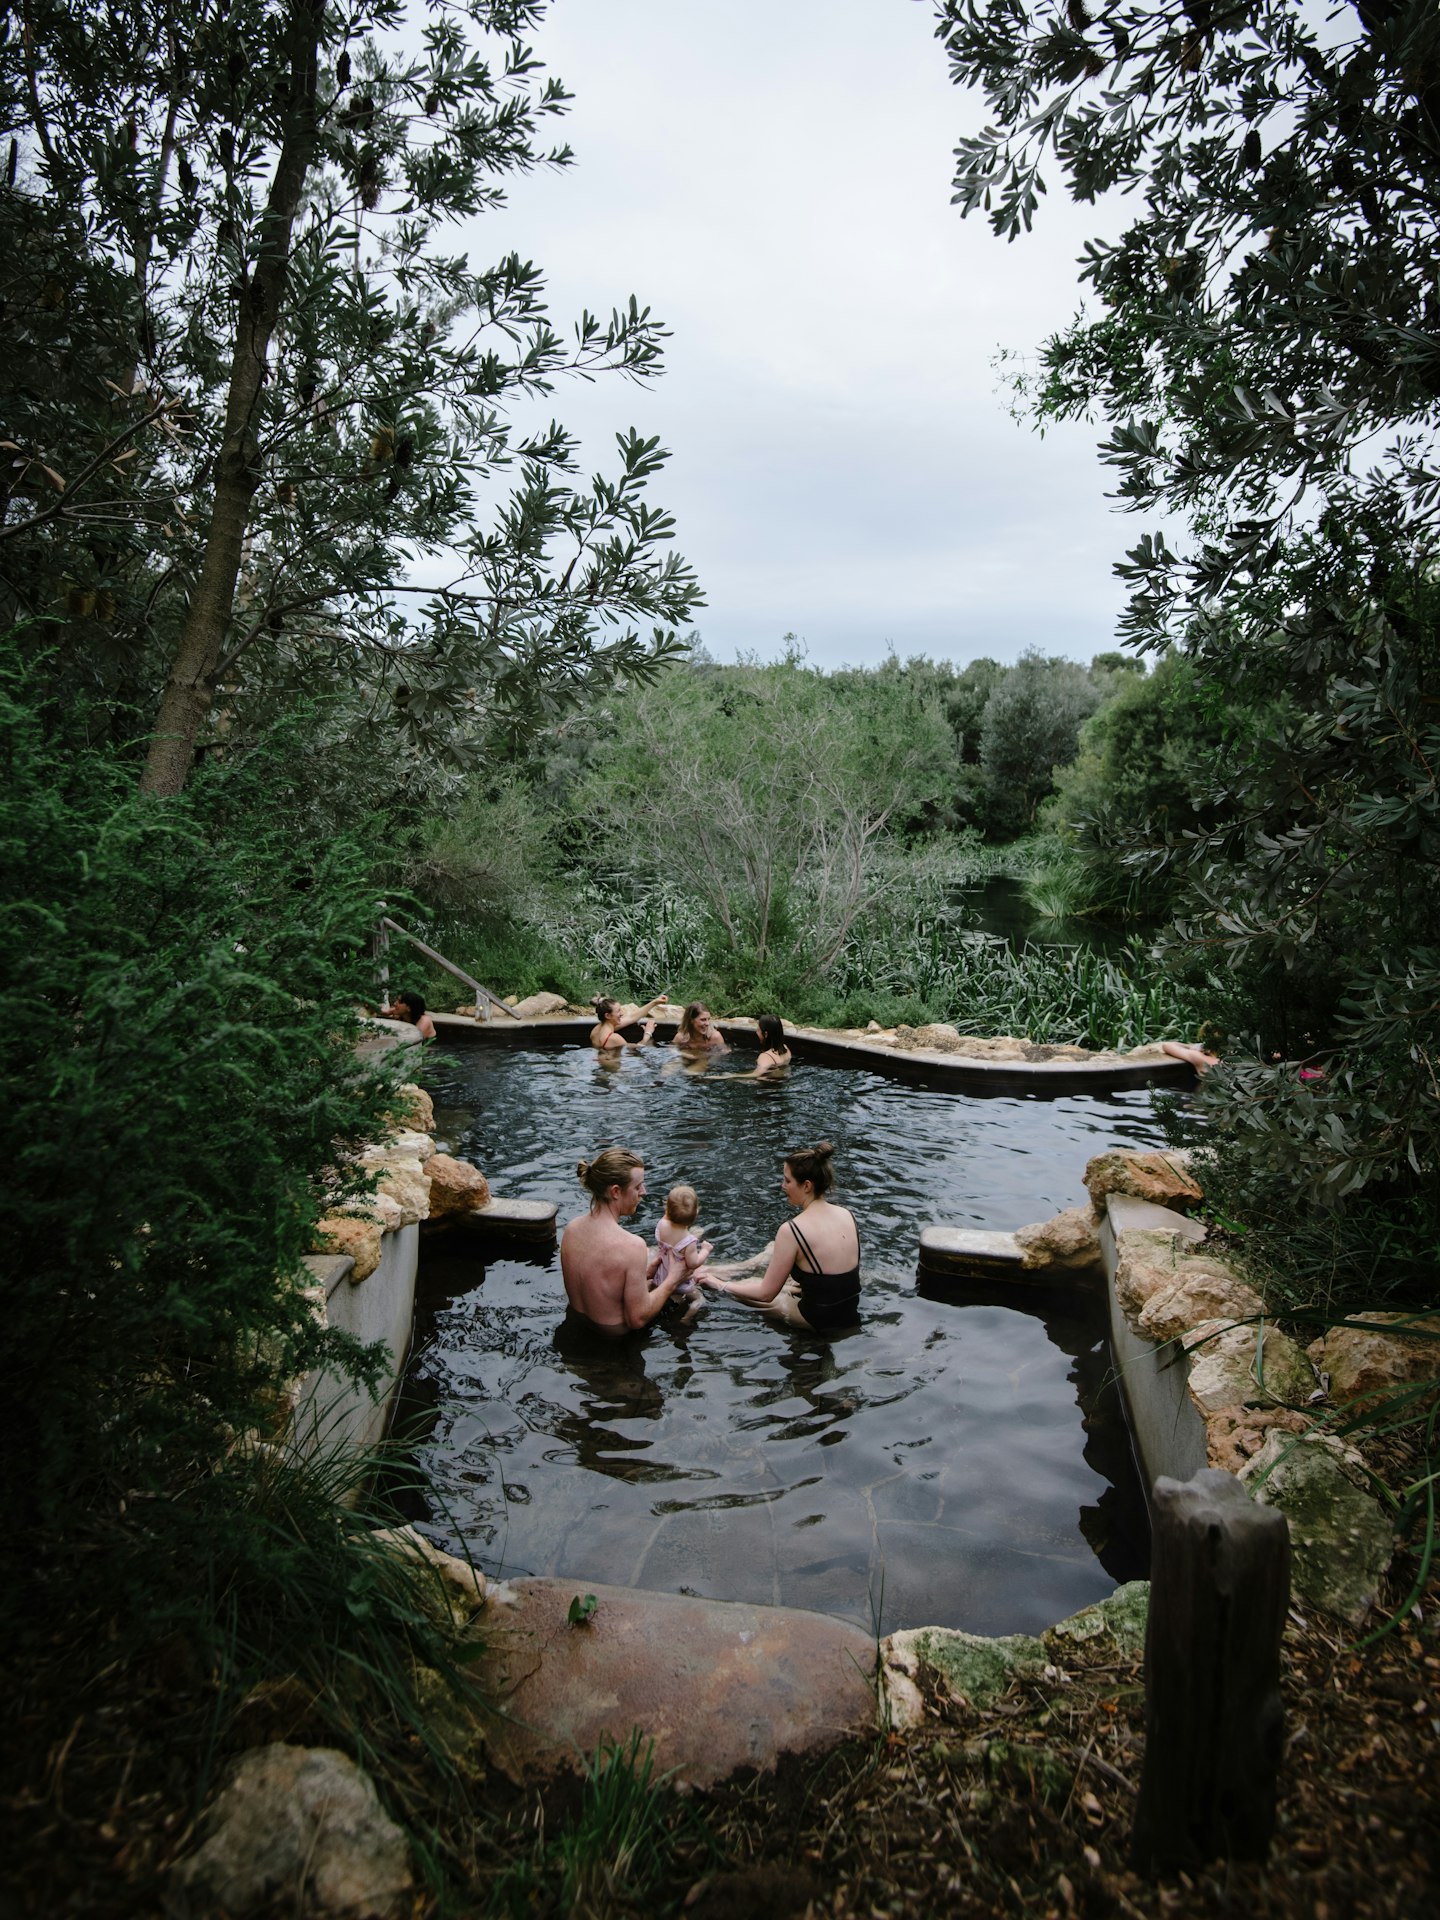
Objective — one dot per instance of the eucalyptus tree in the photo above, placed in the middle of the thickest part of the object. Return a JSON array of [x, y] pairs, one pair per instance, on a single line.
[[255, 390], [1263, 344]]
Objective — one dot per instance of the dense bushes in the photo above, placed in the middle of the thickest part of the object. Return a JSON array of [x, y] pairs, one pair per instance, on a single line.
[[178, 1071]]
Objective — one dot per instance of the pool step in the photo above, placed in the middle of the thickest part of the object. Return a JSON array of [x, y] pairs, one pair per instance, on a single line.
[[972, 1253], [511, 1219]]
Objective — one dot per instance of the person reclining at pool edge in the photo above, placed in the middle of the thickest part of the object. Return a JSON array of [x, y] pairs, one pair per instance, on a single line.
[[606, 1269]]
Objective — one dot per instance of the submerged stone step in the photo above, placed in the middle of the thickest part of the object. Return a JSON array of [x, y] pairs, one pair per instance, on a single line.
[[973, 1253], [511, 1219]]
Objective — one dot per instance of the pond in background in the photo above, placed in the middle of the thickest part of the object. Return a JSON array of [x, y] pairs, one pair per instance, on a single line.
[[958, 1459], [999, 909]]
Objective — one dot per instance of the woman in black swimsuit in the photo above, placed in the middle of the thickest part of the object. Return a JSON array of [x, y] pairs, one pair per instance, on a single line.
[[812, 1278]]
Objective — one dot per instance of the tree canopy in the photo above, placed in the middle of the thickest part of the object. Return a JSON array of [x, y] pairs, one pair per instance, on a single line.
[[253, 392], [1264, 347]]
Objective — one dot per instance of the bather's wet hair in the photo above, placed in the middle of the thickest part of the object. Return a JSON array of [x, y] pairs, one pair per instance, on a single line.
[[682, 1206], [610, 1168], [606, 1008], [811, 1165], [413, 1002], [772, 1032]]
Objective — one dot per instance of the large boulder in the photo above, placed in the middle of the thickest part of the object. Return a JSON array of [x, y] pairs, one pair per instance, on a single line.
[[1340, 1539], [406, 1185], [455, 1186], [1161, 1178], [1201, 1290], [1070, 1240], [360, 1239], [1246, 1366], [1362, 1362], [538, 1004], [302, 1826]]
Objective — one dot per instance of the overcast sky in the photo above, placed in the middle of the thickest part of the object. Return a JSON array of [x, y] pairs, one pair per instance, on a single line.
[[772, 177]]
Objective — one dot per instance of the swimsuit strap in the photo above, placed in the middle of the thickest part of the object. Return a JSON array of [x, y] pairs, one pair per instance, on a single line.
[[805, 1247]]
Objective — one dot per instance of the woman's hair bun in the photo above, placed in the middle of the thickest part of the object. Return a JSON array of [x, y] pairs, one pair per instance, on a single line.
[[582, 1170], [824, 1147]]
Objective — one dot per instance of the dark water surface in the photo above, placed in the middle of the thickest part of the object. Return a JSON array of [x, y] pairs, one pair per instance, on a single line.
[[952, 1461]]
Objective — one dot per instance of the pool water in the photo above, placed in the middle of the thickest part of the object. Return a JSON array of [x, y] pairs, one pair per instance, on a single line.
[[959, 1459]]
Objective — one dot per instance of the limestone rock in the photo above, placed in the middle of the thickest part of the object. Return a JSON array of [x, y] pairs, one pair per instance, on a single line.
[[302, 1825], [460, 1587], [1161, 1178], [1233, 1366], [1042, 1051], [958, 1666], [1002, 1047], [938, 1036], [1070, 1240], [406, 1184], [414, 1108], [1361, 1363], [1234, 1435], [873, 1026], [1120, 1619], [1340, 1540], [1146, 1262], [455, 1186], [1202, 1290], [343, 1233], [538, 1004], [407, 1144], [385, 1212]]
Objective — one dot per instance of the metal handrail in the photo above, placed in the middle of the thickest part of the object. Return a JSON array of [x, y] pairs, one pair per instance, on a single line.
[[484, 998]]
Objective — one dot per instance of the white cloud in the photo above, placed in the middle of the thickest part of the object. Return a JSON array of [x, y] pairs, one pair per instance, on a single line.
[[772, 177]]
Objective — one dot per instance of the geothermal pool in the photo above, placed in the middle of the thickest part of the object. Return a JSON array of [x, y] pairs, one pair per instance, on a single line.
[[959, 1459]]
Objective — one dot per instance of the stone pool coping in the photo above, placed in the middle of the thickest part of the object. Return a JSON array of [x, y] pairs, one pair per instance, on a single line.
[[929, 1066]]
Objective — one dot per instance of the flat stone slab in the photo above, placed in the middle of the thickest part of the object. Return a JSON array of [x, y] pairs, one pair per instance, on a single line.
[[716, 1684], [533, 1218], [971, 1251]]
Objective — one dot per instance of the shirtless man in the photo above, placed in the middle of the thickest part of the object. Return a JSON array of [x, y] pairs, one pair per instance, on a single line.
[[606, 1269]]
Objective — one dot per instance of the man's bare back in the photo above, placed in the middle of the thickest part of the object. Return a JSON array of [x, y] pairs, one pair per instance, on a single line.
[[606, 1269]]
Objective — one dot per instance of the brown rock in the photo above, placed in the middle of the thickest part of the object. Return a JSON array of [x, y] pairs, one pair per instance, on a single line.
[[1161, 1178], [1070, 1240], [343, 1233], [718, 1684], [293, 1818], [1361, 1363], [455, 1186], [1202, 1290]]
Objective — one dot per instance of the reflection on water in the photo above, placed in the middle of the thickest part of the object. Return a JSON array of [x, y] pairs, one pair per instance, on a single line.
[[953, 1460]]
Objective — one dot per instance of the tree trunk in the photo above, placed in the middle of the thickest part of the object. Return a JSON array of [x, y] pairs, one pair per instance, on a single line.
[[190, 690]]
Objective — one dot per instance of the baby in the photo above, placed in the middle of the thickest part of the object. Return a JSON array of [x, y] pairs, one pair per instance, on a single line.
[[677, 1238]]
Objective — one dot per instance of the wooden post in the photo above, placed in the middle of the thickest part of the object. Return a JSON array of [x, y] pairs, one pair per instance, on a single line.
[[1214, 1726]]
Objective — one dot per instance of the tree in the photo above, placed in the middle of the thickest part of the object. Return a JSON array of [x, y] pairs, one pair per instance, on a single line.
[[1265, 347], [250, 387], [769, 791], [1030, 725]]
